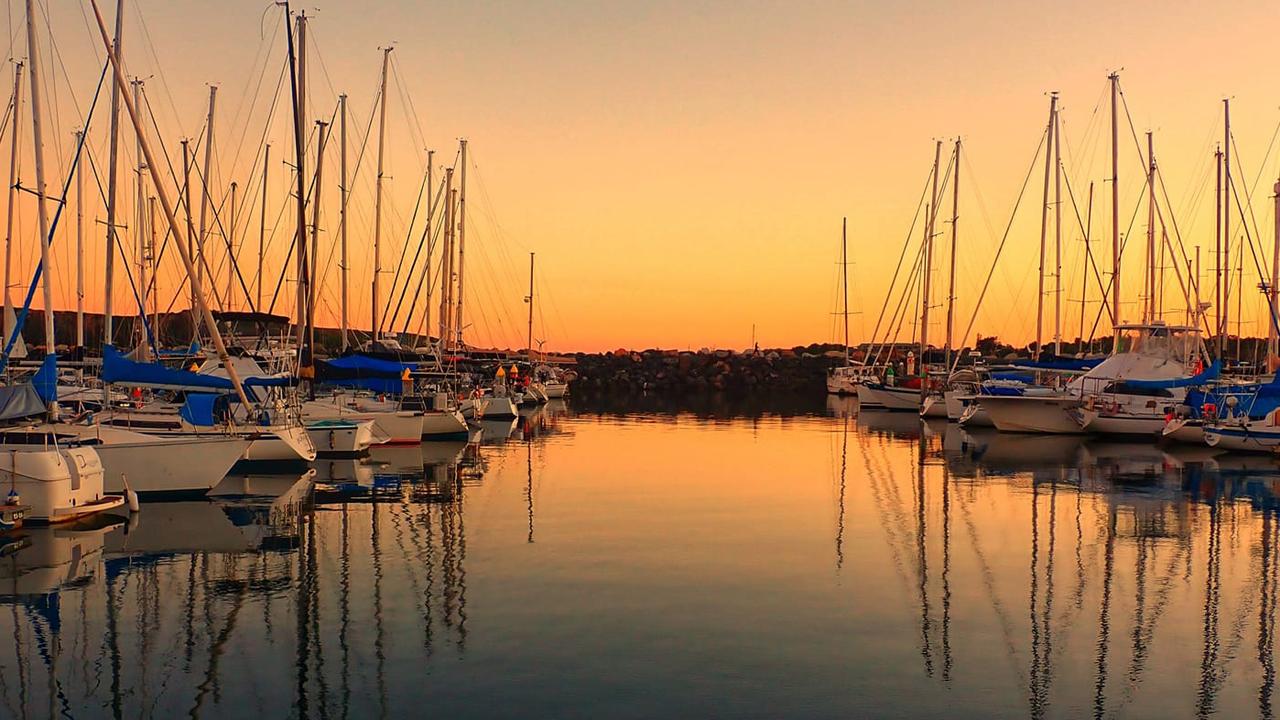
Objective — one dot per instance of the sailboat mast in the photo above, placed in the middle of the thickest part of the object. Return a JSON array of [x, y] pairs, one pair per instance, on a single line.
[[191, 228], [446, 259], [426, 263], [1044, 220], [205, 184], [167, 207], [951, 283], [1115, 209], [530, 301], [14, 153], [150, 257], [1088, 263], [140, 227], [1057, 233], [230, 231], [1226, 215], [377, 193], [462, 238], [1151, 230], [108, 321], [79, 246], [1196, 313], [46, 278], [1271, 286], [927, 269], [321, 136], [844, 283], [1239, 301], [262, 227], [296, 88], [298, 56], [1217, 250], [342, 219]]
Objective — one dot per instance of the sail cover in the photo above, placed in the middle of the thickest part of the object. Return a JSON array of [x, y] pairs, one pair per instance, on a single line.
[[359, 371], [120, 370], [20, 401], [45, 381]]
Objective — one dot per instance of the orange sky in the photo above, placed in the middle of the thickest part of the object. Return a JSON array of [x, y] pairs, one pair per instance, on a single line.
[[681, 168]]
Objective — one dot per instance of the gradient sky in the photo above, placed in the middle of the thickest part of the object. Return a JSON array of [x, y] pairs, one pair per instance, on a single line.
[[681, 168]]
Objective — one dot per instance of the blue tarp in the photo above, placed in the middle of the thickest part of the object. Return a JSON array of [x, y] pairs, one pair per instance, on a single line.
[[1210, 373], [118, 369], [45, 381]]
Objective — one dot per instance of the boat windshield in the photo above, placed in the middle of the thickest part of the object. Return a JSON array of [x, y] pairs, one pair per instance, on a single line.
[[1166, 343]]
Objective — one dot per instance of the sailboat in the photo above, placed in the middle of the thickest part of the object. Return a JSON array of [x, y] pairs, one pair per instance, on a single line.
[[843, 379]]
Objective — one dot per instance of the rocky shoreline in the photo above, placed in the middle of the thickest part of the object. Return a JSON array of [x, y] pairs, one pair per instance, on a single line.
[[676, 372]]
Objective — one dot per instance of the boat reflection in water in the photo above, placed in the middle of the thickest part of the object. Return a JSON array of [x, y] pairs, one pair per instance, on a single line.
[[1128, 552], [256, 600], [648, 565]]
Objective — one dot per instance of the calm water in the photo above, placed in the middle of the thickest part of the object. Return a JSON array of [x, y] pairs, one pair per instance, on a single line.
[[797, 561]]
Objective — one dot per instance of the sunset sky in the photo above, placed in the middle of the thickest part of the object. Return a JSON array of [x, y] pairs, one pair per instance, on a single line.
[[681, 168]]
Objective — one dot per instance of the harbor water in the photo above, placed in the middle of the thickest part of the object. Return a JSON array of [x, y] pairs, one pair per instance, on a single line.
[[792, 559]]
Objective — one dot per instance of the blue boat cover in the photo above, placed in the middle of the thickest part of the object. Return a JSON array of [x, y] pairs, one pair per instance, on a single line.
[[191, 351], [360, 371], [198, 409], [118, 369], [1210, 373], [367, 364], [999, 390], [45, 381], [1014, 377]]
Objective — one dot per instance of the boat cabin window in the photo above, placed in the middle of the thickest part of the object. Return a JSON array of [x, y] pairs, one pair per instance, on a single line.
[[1127, 389]]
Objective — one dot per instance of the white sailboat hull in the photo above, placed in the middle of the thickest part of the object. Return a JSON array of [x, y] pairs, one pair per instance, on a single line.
[[1250, 436], [287, 443], [399, 427], [954, 403], [866, 399], [500, 408], [1120, 423], [895, 398], [341, 437], [156, 465], [935, 406], [1031, 413], [444, 425], [1184, 430]]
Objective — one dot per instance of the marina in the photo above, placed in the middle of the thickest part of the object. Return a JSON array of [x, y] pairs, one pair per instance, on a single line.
[[661, 360]]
